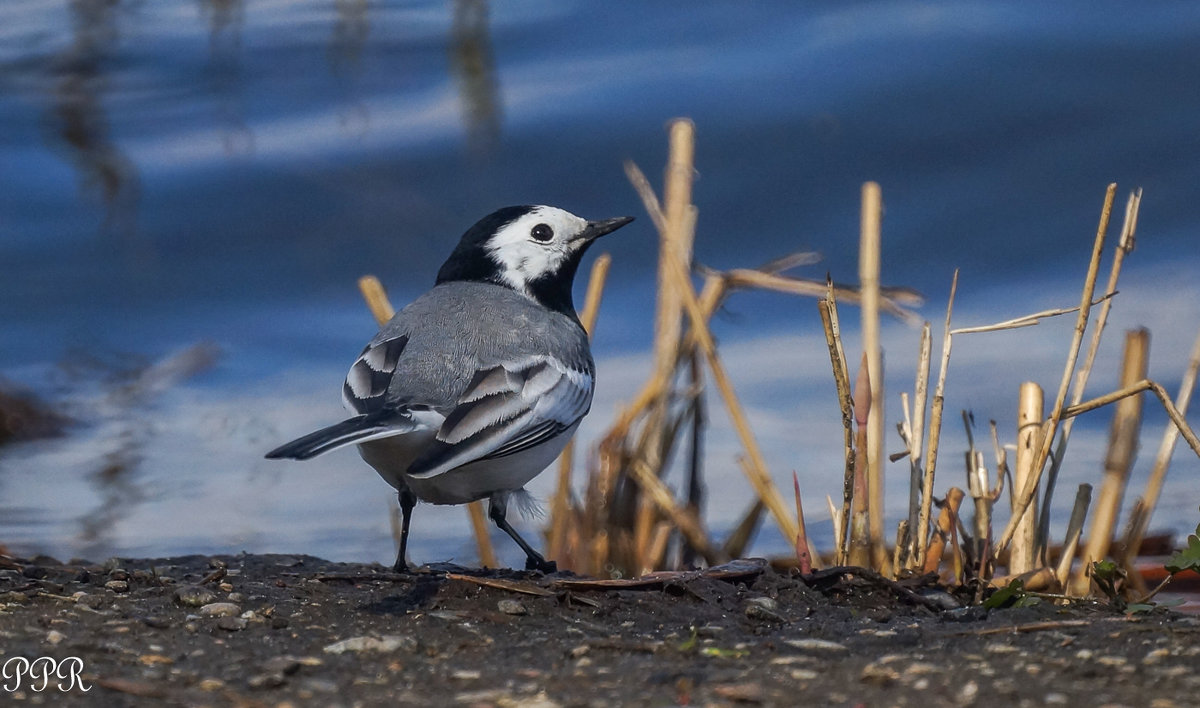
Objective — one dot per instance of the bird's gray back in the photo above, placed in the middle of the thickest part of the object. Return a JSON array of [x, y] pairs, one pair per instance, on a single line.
[[460, 328]]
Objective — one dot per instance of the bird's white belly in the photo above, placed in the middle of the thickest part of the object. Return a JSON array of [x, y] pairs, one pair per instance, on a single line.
[[391, 458]]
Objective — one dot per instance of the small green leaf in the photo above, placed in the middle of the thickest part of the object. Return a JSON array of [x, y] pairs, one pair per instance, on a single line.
[[1187, 558], [1005, 596], [1135, 608]]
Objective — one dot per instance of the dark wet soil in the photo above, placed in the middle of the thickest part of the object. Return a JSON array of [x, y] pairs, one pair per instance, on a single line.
[[270, 630]]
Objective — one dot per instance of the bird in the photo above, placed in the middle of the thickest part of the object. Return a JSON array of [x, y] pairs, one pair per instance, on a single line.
[[474, 388]]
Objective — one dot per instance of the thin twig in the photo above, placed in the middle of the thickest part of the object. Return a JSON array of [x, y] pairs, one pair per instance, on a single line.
[[935, 430], [1056, 413]]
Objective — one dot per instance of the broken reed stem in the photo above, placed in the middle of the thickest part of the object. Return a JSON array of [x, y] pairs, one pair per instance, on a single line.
[[891, 300], [1122, 446], [1162, 460], [860, 533], [684, 520], [739, 538], [1027, 320], [841, 378], [561, 503], [1056, 413], [1124, 246], [1173, 413], [1083, 498], [947, 520], [381, 308], [868, 276], [916, 438], [1021, 557], [935, 430]]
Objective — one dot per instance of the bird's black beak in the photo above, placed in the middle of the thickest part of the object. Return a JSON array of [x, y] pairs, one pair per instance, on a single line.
[[596, 229]]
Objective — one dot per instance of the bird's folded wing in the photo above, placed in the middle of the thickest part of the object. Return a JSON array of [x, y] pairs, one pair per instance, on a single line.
[[507, 409], [371, 373]]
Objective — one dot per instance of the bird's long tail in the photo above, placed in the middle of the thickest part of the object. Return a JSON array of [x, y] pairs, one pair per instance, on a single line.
[[360, 428]]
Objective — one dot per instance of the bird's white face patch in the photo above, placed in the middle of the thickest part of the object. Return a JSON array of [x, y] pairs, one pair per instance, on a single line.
[[535, 245]]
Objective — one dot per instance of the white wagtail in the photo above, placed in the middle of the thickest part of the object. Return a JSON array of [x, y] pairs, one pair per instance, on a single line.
[[474, 388]]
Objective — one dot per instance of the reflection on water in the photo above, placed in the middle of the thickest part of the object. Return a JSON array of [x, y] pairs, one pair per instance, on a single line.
[[225, 19], [350, 30], [475, 71], [77, 116]]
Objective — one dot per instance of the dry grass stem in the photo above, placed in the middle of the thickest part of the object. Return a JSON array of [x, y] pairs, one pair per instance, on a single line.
[[1162, 460], [1089, 288], [803, 557], [915, 439], [893, 301], [947, 521], [1029, 427], [935, 430], [683, 519], [869, 266], [1083, 499], [739, 538], [841, 377], [1122, 446], [1028, 320], [1125, 245], [860, 533]]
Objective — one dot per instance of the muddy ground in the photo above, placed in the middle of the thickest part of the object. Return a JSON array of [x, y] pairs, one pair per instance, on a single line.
[[270, 630]]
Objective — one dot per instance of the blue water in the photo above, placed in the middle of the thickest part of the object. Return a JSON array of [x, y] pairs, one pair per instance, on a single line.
[[219, 172]]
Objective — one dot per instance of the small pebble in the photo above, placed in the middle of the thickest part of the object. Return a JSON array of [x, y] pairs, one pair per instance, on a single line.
[[194, 596], [279, 623], [156, 622], [466, 674], [55, 637], [879, 674], [266, 681], [117, 585], [13, 597], [220, 609], [815, 645], [385, 643], [89, 600], [231, 624], [118, 574], [34, 572], [211, 684], [512, 607]]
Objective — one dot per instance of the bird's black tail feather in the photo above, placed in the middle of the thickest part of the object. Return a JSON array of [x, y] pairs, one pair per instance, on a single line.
[[357, 429]]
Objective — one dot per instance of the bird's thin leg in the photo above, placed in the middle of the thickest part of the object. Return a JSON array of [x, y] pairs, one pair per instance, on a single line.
[[497, 510], [408, 500]]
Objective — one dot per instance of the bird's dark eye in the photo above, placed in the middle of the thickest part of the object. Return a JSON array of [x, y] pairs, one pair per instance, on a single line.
[[542, 232]]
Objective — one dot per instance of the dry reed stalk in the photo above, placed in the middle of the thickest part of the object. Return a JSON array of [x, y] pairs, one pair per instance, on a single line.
[[561, 502], [935, 431], [1162, 460], [1083, 499], [1125, 245], [868, 275], [981, 493], [893, 301], [841, 377], [860, 534], [1033, 580], [381, 308], [1021, 558], [739, 538], [946, 523], [915, 439], [1189, 436], [1122, 447], [687, 523], [803, 557], [674, 243], [1085, 305], [1027, 320], [657, 551]]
